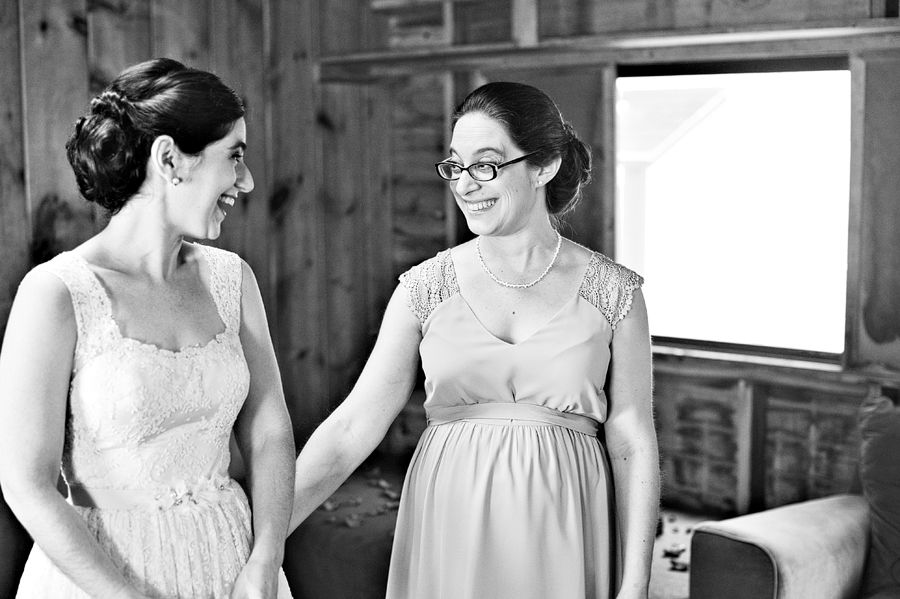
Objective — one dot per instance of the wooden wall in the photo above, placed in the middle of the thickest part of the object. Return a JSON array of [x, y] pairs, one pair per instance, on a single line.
[[317, 227], [345, 199]]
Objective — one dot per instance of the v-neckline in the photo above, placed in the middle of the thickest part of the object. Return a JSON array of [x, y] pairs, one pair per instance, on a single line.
[[146, 345], [539, 329]]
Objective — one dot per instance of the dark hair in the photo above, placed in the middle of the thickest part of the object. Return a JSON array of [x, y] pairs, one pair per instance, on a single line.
[[110, 146], [534, 124]]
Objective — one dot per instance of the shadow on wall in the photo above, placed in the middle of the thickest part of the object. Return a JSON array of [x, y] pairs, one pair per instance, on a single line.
[[58, 226]]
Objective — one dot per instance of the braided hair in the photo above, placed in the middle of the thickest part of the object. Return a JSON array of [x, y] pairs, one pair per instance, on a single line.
[[110, 146]]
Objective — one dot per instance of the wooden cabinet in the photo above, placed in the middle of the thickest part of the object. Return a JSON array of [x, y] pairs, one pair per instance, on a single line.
[[736, 438], [704, 430], [811, 442]]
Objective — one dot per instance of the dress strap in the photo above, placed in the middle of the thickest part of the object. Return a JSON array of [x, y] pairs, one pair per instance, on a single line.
[[430, 283], [509, 413], [225, 279], [609, 286], [93, 313]]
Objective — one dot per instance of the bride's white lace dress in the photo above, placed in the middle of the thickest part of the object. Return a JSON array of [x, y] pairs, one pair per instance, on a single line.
[[147, 447]]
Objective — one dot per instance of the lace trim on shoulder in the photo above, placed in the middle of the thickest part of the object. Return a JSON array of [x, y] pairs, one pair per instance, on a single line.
[[430, 283], [609, 286], [89, 303], [225, 279]]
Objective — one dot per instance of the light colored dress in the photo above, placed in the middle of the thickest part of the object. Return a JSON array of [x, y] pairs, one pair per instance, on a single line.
[[509, 492], [146, 449]]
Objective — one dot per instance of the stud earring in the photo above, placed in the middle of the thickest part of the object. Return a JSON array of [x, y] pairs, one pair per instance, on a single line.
[[175, 180]]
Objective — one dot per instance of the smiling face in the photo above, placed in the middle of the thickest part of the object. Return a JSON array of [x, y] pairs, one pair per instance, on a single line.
[[213, 185], [504, 205]]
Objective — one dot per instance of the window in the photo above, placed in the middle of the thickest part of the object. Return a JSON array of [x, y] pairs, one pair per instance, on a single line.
[[732, 201]]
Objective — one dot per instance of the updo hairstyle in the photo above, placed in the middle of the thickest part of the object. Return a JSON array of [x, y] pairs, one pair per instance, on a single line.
[[534, 124], [110, 146]]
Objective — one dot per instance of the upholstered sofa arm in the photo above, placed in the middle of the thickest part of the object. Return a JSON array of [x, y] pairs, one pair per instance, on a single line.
[[810, 550]]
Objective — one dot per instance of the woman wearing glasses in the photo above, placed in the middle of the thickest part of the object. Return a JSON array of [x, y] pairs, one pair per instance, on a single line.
[[537, 476]]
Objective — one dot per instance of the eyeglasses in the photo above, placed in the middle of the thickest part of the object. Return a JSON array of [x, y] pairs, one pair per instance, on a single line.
[[480, 171]]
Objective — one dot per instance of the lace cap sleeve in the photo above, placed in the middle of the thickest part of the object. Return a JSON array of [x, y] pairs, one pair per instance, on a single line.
[[609, 286], [429, 283]]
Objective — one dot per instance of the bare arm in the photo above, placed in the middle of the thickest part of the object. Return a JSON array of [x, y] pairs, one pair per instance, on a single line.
[[265, 437], [35, 367], [631, 441], [354, 429]]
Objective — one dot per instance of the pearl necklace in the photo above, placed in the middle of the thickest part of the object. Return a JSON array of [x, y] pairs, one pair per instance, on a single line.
[[518, 285]]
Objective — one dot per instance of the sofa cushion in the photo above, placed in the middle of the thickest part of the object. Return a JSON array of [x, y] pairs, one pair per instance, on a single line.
[[879, 424], [810, 550]]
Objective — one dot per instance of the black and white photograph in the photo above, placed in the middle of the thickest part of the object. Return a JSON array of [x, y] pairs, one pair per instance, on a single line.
[[450, 299]]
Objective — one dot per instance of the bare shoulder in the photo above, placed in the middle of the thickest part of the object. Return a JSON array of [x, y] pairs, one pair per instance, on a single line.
[[46, 294], [574, 257]]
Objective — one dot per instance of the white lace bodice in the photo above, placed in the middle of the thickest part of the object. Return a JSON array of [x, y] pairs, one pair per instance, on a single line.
[[141, 417], [607, 285]]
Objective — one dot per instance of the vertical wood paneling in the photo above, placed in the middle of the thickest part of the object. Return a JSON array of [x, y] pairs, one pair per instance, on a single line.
[[347, 179], [54, 56], [378, 203], [180, 29], [873, 282], [239, 57], [524, 22], [298, 244], [118, 37], [14, 226], [347, 186], [604, 146]]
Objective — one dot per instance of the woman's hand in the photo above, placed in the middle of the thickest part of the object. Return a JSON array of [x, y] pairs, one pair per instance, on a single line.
[[257, 580]]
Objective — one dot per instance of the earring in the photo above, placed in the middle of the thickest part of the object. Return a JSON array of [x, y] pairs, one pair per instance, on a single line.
[[175, 180]]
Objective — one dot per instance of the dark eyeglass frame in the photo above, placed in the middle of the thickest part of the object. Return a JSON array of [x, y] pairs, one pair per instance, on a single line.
[[495, 168]]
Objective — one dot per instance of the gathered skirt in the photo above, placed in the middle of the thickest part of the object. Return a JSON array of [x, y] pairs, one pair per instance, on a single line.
[[505, 508], [189, 551]]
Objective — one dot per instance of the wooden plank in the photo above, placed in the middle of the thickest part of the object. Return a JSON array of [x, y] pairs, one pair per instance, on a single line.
[[483, 22], [562, 18], [604, 150], [118, 37], [846, 383], [379, 214], [15, 229], [452, 219], [744, 428], [354, 176], [240, 56], [632, 15], [343, 198], [749, 43], [391, 5], [180, 29], [855, 265], [525, 23], [55, 69], [298, 247], [875, 253]]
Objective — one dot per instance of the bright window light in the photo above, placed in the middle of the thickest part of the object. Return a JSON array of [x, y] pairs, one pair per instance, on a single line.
[[732, 201]]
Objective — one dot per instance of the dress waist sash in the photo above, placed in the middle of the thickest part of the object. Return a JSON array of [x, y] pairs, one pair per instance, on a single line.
[[512, 412], [207, 492]]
